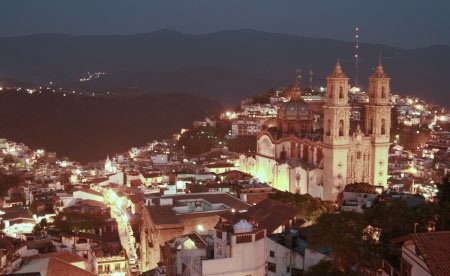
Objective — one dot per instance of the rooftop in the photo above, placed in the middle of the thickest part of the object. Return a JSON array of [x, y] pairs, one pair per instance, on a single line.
[[435, 250]]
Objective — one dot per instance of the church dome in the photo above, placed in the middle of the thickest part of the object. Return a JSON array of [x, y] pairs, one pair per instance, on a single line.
[[294, 110]]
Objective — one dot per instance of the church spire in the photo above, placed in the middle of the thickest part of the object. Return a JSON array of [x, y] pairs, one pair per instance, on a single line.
[[379, 70], [338, 72], [294, 92], [298, 77]]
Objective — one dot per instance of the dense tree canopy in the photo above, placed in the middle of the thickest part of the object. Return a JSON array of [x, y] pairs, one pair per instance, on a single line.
[[444, 203], [396, 218], [353, 242], [78, 222], [359, 188], [8, 181], [310, 207], [202, 139], [326, 268]]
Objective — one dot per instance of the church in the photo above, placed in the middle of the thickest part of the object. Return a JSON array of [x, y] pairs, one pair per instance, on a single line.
[[295, 155]]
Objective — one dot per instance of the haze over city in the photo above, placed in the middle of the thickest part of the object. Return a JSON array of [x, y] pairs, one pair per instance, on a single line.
[[224, 138]]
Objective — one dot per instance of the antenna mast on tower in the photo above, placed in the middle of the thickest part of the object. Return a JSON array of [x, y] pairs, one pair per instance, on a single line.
[[311, 79], [356, 54]]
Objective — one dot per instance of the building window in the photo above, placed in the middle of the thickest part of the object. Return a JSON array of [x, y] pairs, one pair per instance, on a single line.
[[272, 254], [330, 93], [219, 248], [383, 93], [371, 126], [100, 269], [358, 155], [271, 267], [341, 127], [405, 268], [341, 92], [383, 126], [117, 268]]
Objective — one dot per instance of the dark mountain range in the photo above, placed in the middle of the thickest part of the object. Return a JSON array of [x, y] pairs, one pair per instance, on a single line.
[[227, 65], [86, 128]]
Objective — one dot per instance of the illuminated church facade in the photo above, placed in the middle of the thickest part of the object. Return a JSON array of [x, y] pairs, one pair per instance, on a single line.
[[294, 156]]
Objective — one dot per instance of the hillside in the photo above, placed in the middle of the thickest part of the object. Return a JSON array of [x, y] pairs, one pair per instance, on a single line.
[[227, 65], [87, 128]]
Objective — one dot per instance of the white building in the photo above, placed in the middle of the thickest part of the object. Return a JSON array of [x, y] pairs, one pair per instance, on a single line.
[[423, 254], [239, 250], [245, 128]]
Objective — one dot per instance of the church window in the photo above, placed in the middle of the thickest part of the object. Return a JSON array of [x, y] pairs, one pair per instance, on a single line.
[[358, 155], [383, 126], [283, 155], [341, 127], [330, 93], [328, 127], [383, 93], [341, 92], [371, 126]]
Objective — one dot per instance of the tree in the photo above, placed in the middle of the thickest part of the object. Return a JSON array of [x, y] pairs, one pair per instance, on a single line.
[[359, 188], [395, 218], [351, 239], [8, 181], [242, 144], [78, 222], [310, 207], [43, 223], [326, 268], [444, 203]]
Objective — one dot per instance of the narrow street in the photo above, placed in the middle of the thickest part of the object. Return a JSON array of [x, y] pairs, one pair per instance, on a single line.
[[119, 213]]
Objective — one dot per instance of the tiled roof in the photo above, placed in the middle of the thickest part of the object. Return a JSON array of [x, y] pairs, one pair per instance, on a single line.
[[152, 175], [271, 214], [57, 267], [220, 165], [135, 182], [51, 266], [90, 191], [64, 256], [435, 250], [163, 215]]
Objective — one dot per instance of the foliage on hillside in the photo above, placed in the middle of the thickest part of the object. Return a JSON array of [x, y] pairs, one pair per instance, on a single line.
[[201, 139], [8, 181], [87, 128]]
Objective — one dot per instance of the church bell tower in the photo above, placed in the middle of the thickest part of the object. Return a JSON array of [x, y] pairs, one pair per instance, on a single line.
[[378, 125], [336, 133]]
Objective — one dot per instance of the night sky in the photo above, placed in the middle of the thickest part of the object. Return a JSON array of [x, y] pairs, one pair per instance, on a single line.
[[404, 23]]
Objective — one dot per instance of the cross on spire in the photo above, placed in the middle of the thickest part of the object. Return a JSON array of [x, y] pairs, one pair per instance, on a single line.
[[379, 59]]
